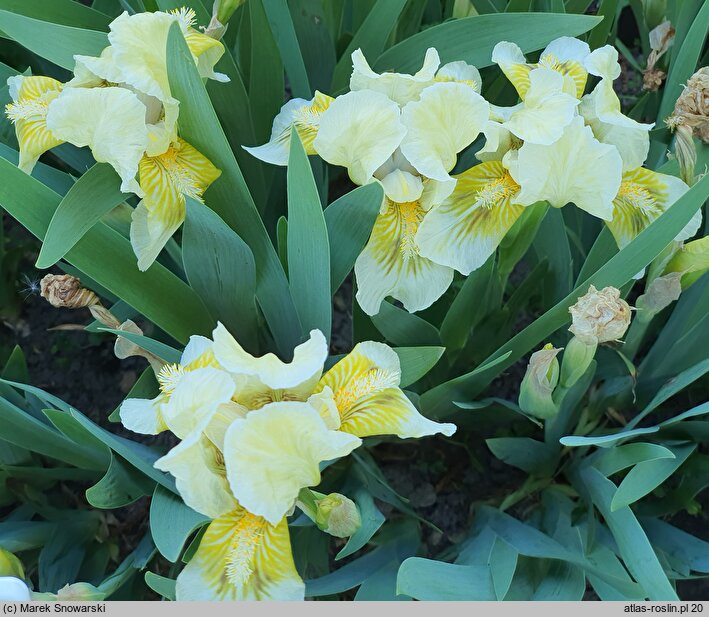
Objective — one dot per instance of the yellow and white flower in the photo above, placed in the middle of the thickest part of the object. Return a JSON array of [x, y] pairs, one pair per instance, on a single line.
[[275, 451], [601, 111], [643, 196], [466, 228], [267, 379], [300, 114], [110, 121], [547, 110], [499, 140], [398, 87], [446, 118], [365, 388], [391, 263], [576, 169], [564, 55], [167, 180], [146, 416], [242, 557], [31, 97], [360, 131]]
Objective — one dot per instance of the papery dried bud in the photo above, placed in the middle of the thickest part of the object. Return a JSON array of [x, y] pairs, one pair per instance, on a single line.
[[661, 39], [692, 107], [653, 78], [600, 316], [65, 291], [542, 376], [662, 292], [125, 348], [337, 515]]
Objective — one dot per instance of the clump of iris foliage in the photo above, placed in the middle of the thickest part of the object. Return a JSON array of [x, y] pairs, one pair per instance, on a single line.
[[508, 197]]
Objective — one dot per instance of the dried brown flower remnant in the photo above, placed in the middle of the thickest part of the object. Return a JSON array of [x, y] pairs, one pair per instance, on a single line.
[[600, 316], [661, 39], [65, 291], [692, 107]]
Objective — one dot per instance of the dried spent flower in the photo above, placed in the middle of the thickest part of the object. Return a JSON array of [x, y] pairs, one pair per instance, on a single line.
[[692, 107], [600, 316], [661, 39]]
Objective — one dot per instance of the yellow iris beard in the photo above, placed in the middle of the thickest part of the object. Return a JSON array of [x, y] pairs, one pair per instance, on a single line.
[[365, 384], [184, 180], [494, 192], [410, 214], [26, 110], [248, 534], [638, 196]]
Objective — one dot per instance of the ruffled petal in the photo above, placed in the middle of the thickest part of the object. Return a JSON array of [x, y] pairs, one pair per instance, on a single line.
[[601, 111], [399, 87], [390, 264], [198, 353], [402, 186], [359, 131], [275, 451], [28, 111], [547, 109], [643, 196], [564, 55], [306, 366], [144, 416], [365, 387], [200, 476], [242, 557], [509, 57], [195, 398], [447, 118], [181, 171], [574, 169], [462, 73], [305, 116], [110, 121], [466, 229]]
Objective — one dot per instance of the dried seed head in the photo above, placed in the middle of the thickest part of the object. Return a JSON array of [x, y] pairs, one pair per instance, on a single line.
[[600, 316], [692, 107]]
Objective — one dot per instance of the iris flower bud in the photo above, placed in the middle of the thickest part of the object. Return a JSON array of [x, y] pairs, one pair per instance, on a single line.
[[337, 515], [542, 376]]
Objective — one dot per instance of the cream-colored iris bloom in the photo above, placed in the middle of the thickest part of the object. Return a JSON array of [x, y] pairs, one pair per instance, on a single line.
[[110, 121], [166, 180], [446, 119], [267, 379], [643, 196], [564, 55], [391, 264], [601, 111], [242, 557], [275, 451], [398, 87], [576, 169], [366, 392], [360, 131], [138, 58], [146, 416], [304, 116], [465, 229], [499, 140], [547, 110], [31, 97]]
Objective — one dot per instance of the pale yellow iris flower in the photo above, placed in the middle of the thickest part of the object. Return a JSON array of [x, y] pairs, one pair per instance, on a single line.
[[254, 432], [119, 105], [565, 55], [31, 97]]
